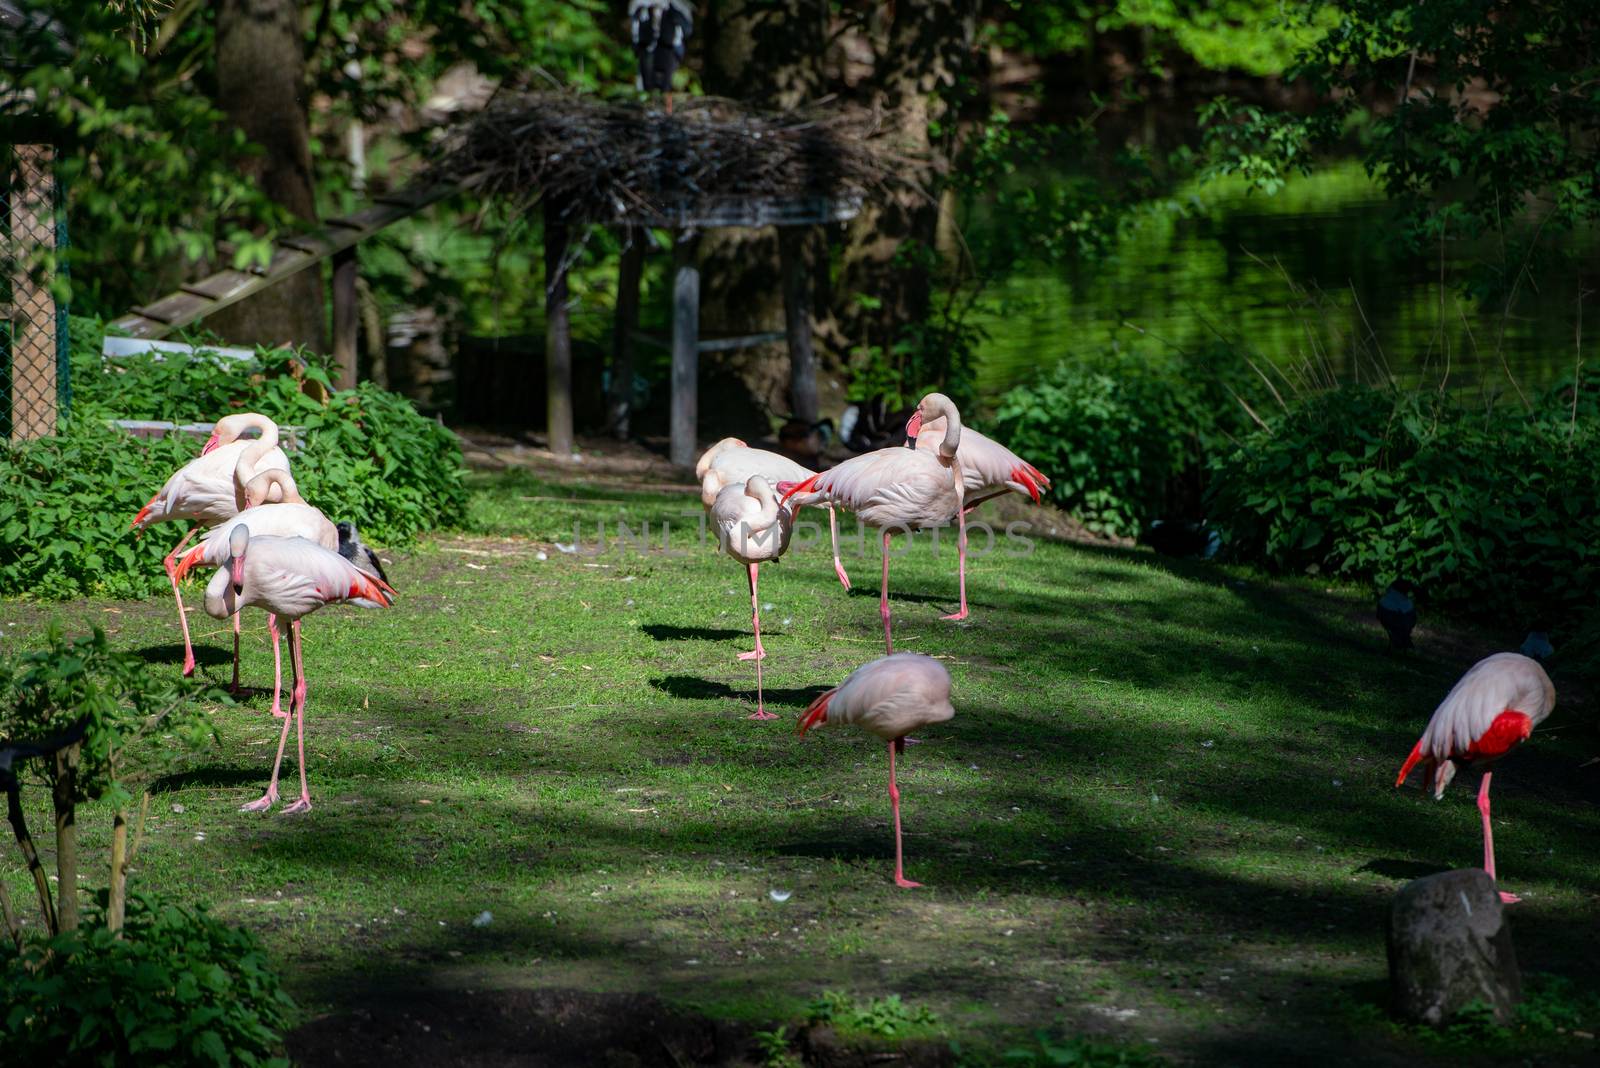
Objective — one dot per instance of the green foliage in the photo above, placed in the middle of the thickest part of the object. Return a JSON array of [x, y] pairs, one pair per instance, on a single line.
[[881, 1017], [1493, 509], [126, 701], [65, 502], [775, 1051], [1123, 441], [177, 988], [1049, 1052]]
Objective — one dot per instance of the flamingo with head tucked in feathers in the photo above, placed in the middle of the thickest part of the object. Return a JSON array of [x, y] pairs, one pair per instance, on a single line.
[[889, 697], [730, 462], [989, 470], [753, 528], [1488, 713], [290, 578], [203, 492], [900, 489]]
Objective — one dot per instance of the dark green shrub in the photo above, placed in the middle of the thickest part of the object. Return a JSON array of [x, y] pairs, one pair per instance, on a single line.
[[1123, 441], [178, 988], [65, 503], [1493, 510]]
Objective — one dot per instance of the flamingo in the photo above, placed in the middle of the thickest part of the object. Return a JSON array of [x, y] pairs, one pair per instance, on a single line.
[[900, 489], [1489, 712], [988, 470], [890, 697], [753, 527], [290, 578], [202, 491], [731, 462]]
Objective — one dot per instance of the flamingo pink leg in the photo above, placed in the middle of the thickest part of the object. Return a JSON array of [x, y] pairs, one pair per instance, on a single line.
[[833, 535], [961, 555], [298, 707], [267, 800], [171, 564], [1488, 839], [883, 598], [757, 654], [760, 654], [894, 800], [235, 687]]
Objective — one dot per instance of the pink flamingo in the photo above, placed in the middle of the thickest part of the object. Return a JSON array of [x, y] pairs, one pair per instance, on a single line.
[[730, 462], [290, 578], [753, 527], [988, 469], [890, 697], [203, 491], [1489, 712], [900, 489]]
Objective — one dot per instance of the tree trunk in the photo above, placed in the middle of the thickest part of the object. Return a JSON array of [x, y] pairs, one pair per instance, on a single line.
[[116, 897], [557, 337], [261, 87], [685, 419], [797, 323], [767, 53], [924, 51], [30, 855], [625, 320], [63, 788]]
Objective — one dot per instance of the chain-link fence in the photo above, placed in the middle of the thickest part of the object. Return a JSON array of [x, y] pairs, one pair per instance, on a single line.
[[34, 374]]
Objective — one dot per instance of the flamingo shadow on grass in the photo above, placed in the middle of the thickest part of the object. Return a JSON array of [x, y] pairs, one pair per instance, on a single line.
[[666, 632], [172, 653], [1402, 870], [212, 777], [690, 688], [876, 592]]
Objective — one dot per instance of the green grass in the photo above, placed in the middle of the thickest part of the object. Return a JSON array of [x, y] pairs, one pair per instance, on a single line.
[[1164, 812]]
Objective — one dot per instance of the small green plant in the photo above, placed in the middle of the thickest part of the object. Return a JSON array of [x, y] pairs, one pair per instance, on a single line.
[[173, 987], [775, 1051], [882, 1017]]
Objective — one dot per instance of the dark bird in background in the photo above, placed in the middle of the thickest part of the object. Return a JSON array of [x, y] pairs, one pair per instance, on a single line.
[[1183, 537], [803, 442], [872, 425], [661, 30], [354, 550], [1536, 646], [1398, 614]]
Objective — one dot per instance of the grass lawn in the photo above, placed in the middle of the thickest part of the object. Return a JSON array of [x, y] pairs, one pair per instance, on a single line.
[[1164, 812]]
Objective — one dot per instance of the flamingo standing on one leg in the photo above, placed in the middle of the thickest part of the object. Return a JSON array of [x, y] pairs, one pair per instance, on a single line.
[[730, 462], [988, 469], [202, 491], [890, 697], [290, 578], [899, 489], [753, 527], [1490, 711]]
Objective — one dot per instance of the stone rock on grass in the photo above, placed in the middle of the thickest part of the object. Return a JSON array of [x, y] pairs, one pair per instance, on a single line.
[[1450, 946]]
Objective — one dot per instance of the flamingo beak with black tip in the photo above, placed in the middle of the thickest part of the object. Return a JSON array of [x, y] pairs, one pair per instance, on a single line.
[[913, 427], [238, 542], [212, 442]]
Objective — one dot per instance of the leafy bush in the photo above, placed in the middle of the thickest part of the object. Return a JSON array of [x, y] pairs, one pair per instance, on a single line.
[[178, 988], [65, 503], [884, 1017], [1495, 511], [1123, 442]]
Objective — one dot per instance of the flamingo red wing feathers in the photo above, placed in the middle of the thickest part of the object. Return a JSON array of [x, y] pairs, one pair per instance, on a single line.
[[1509, 729], [816, 712]]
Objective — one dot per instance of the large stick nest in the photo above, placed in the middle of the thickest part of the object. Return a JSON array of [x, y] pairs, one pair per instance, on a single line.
[[601, 162]]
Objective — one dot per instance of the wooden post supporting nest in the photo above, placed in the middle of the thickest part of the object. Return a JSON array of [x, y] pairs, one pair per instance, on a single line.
[[797, 322], [346, 316], [557, 335], [685, 347], [619, 397], [33, 308]]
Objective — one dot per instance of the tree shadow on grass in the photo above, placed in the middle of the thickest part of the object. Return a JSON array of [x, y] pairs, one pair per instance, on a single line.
[[208, 776], [666, 632], [690, 688], [1396, 868]]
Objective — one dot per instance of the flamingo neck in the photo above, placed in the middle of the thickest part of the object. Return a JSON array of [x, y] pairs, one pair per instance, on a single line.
[[763, 496]]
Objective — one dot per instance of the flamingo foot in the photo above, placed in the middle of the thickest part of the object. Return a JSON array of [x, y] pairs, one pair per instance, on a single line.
[[757, 653], [188, 664], [1508, 899], [761, 713], [904, 883], [956, 615], [302, 805], [264, 802], [838, 569]]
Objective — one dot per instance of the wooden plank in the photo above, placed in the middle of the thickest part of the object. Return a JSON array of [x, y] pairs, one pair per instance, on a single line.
[[135, 325], [176, 307], [619, 393], [284, 262], [685, 349], [220, 286], [744, 341], [375, 217], [317, 243], [345, 319], [713, 212], [557, 336], [797, 323]]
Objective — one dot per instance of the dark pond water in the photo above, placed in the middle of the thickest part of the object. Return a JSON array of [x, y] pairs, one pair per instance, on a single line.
[[1305, 279]]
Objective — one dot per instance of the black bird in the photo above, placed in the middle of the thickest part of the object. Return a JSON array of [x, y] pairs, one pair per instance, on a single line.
[[12, 752], [353, 549], [1183, 537], [1397, 613], [661, 29], [1537, 645]]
